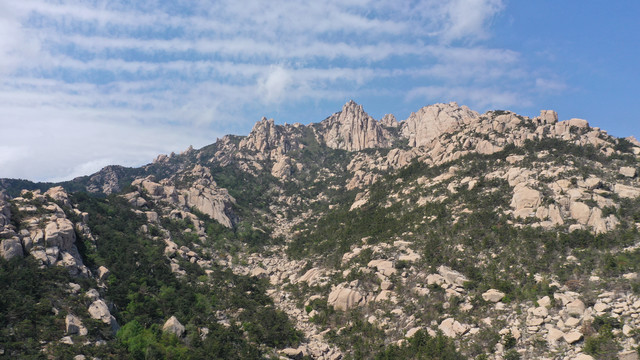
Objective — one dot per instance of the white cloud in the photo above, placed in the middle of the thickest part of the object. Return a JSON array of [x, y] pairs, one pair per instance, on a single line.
[[274, 86], [123, 81]]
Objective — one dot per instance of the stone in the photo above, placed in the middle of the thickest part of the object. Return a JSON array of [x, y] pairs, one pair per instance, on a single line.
[[492, 295], [92, 294], [103, 273], [544, 301], [259, 272], [628, 355], [342, 298], [434, 120], [600, 307], [58, 194], [173, 326], [385, 267], [628, 171], [99, 311], [293, 353], [580, 212], [626, 191], [554, 335], [525, 200], [412, 331], [352, 129], [451, 276], [583, 357], [575, 308], [572, 336], [74, 326], [627, 330], [386, 285], [61, 234], [580, 123], [311, 277], [11, 248], [548, 117]]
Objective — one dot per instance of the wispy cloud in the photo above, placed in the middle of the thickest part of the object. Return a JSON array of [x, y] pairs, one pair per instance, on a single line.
[[124, 81]]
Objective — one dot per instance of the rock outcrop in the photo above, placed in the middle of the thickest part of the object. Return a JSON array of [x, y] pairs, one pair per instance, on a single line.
[[353, 129], [434, 120]]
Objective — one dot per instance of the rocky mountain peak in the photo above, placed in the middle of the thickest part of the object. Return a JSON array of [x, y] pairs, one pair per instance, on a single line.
[[353, 129], [434, 120]]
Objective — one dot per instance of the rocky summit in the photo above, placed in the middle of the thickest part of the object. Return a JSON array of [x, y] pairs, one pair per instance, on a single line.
[[448, 235]]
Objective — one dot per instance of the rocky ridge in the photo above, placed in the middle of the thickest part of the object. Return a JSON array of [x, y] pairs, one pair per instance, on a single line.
[[390, 280]]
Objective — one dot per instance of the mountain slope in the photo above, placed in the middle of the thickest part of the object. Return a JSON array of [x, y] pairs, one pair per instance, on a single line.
[[484, 235]]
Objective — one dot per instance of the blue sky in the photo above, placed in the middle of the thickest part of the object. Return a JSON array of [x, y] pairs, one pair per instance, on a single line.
[[84, 84]]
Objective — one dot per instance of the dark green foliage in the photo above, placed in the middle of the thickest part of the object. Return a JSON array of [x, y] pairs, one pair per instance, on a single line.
[[27, 297], [422, 347], [145, 293]]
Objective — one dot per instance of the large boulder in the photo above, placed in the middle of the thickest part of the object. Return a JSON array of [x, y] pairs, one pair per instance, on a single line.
[[385, 267], [74, 326], [11, 248], [173, 326], [493, 295], [626, 191], [525, 200], [99, 311], [422, 127], [342, 298], [58, 194], [60, 234], [451, 276]]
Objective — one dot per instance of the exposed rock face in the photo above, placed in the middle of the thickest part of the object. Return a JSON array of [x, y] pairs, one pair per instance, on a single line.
[[99, 311], [74, 326], [173, 326], [525, 200], [11, 248], [343, 298], [452, 276], [266, 136], [106, 180], [353, 129], [60, 234], [548, 116], [434, 120], [58, 193]]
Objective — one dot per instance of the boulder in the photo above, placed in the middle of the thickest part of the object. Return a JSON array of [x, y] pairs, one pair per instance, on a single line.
[[628, 355], [385, 267], [493, 295], [525, 200], [60, 234], [434, 120], [452, 276], [575, 308], [548, 116], [99, 311], [58, 194], [573, 336], [74, 326], [342, 298], [626, 191], [452, 328], [580, 212], [173, 326], [293, 353], [628, 171], [11, 248], [103, 273]]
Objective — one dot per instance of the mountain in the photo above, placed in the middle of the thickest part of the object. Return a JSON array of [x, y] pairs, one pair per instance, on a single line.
[[448, 235]]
